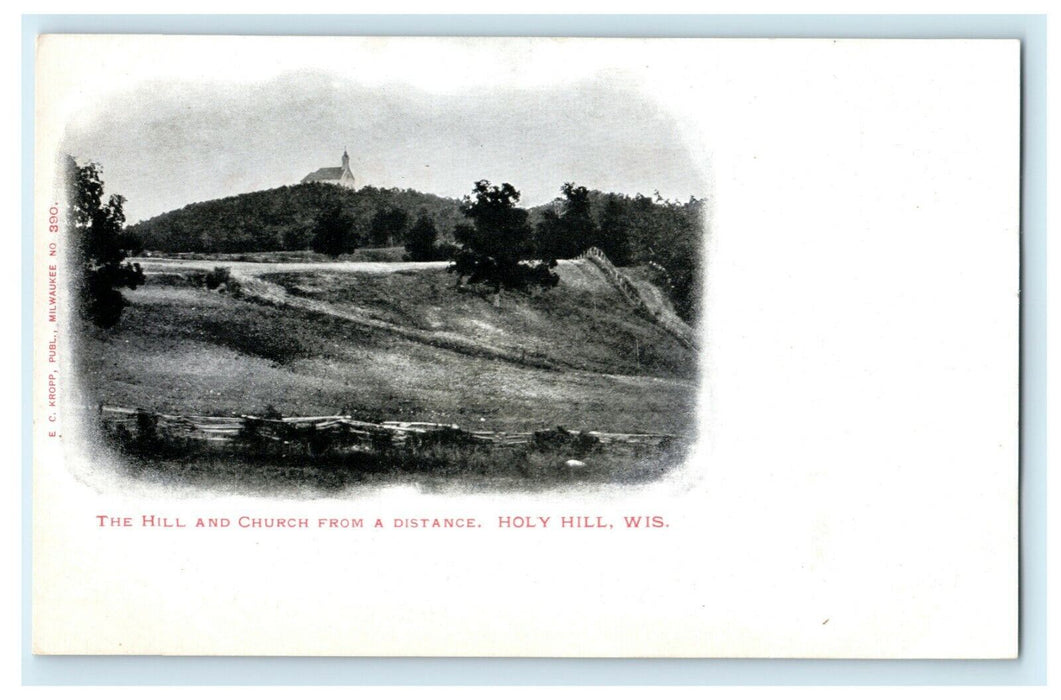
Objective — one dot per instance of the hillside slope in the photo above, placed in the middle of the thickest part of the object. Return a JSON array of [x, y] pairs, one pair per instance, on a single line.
[[395, 342], [630, 231], [282, 218]]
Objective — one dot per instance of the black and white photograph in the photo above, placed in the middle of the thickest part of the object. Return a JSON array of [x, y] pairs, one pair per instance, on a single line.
[[492, 289], [526, 347]]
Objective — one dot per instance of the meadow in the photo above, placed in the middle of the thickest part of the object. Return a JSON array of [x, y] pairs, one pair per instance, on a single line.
[[394, 342]]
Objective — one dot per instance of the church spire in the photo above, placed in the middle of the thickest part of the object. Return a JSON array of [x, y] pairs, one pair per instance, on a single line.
[[346, 159]]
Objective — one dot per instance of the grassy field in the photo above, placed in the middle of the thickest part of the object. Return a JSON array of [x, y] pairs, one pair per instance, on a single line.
[[438, 467], [400, 345]]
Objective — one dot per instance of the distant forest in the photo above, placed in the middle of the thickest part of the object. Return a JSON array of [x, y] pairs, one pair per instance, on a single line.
[[631, 230], [284, 219]]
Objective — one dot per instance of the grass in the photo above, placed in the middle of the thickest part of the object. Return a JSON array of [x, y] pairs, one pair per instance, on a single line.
[[433, 468], [181, 348], [582, 324]]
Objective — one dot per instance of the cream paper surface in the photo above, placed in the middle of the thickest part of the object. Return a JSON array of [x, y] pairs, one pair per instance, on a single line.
[[853, 492]]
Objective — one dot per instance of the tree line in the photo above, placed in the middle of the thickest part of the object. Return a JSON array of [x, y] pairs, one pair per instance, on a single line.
[[288, 218], [487, 236], [501, 246]]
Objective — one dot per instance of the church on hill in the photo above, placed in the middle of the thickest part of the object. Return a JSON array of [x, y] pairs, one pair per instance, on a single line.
[[333, 176]]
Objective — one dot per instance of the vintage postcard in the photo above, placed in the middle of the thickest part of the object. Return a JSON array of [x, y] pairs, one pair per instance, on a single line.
[[526, 347]]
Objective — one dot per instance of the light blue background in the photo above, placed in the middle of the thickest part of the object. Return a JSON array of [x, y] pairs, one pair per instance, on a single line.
[[1029, 669]]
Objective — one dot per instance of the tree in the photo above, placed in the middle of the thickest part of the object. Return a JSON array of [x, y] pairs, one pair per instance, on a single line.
[[333, 233], [388, 225], [498, 248], [423, 235], [678, 252], [295, 239], [567, 230], [100, 245], [614, 232]]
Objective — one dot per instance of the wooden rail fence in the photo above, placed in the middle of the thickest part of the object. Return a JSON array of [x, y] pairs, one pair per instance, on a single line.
[[336, 430], [679, 330]]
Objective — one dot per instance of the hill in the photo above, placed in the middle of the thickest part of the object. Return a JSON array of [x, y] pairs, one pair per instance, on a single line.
[[631, 230], [283, 219], [394, 341], [667, 236]]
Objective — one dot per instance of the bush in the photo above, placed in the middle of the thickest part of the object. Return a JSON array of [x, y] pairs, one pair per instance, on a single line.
[[560, 439], [217, 277], [520, 275], [233, 287], [146, 430], [446, 251]]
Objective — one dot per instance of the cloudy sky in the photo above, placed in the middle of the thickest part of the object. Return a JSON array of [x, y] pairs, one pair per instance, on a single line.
[[172, 138]]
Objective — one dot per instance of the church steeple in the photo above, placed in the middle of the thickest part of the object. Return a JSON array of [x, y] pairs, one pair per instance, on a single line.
[[341, 176]]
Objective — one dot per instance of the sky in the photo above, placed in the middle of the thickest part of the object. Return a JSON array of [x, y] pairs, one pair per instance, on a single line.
[[167, 140]]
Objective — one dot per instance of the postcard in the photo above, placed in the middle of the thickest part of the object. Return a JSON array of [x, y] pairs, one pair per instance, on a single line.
[[549, 347]]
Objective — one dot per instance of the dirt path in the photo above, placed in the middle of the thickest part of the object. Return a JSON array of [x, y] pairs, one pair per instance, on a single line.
[[263, 268]]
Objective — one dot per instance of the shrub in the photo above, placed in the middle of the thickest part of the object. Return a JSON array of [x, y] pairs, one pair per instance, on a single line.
[[559, 438], [217, 277], [146, 430]]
